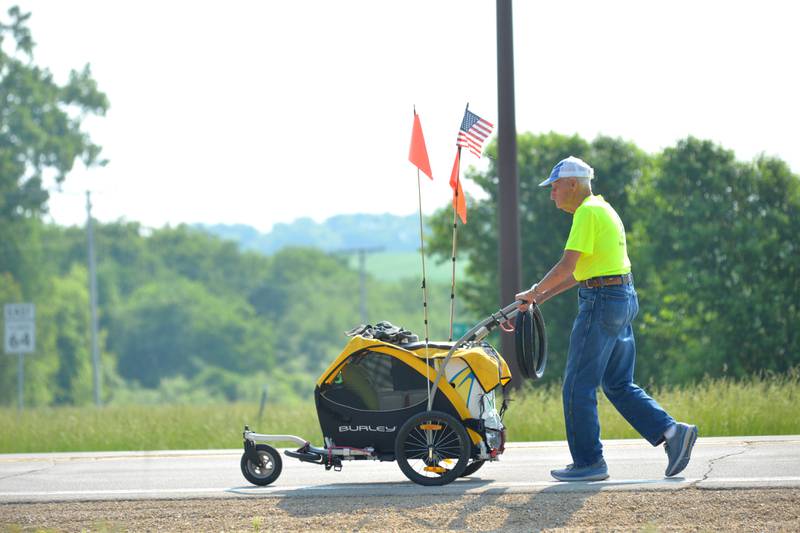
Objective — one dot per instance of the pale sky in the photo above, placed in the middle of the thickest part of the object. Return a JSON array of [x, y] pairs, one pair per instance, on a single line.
[[262, 112]]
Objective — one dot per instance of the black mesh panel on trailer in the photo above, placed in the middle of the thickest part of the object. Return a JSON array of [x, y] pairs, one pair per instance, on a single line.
[[370, 398]]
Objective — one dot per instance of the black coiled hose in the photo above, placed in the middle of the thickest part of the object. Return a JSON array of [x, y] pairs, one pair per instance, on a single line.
[[530, 340]]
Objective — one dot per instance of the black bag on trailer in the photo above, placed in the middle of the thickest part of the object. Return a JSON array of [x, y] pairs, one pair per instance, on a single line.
[[384, 331]]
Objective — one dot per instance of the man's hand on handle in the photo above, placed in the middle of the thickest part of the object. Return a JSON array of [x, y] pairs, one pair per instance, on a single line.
[[528, 297], [555, 282]]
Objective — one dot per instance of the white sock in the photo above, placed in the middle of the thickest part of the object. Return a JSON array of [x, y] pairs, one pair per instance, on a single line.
[[670, 431]]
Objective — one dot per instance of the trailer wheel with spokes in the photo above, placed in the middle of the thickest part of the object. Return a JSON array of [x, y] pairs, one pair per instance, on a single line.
[[268, 469], [432, 448]]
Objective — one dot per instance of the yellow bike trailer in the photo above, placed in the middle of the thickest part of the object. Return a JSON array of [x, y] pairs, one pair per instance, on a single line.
[[433, 407]]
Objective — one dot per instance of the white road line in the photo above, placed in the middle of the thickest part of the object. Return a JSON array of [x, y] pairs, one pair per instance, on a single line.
[[110, 492]]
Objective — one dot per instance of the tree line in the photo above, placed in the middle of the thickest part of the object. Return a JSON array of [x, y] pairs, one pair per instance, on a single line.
[[185, 315]]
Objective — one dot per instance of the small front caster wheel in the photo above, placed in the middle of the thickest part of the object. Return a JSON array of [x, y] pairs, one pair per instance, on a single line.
[[268, 469]]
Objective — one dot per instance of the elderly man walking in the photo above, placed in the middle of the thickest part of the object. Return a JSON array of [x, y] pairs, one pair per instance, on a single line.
[[601, 345]]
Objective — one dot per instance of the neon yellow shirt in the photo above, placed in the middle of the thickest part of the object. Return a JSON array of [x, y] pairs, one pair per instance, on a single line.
[[598, 234]]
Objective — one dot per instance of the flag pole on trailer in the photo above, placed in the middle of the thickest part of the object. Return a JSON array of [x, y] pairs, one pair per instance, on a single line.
[[455, 178], [418, 155], [422, 255], [457, 170], [472, 134]]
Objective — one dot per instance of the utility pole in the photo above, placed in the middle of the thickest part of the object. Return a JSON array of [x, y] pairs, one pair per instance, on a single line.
[[362, 284], [362, 275], [93, 299], [508, 186]]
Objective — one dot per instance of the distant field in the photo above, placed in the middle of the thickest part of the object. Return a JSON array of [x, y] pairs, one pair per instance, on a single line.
[[393, 266], [720, 408]]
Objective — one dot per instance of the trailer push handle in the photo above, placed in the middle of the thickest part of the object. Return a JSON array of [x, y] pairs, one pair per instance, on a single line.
[[478, 332]]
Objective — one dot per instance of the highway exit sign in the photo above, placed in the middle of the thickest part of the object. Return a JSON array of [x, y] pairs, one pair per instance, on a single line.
[[20, 328]]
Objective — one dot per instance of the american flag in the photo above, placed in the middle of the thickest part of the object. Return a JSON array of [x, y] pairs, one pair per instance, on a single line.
[[474, 131]]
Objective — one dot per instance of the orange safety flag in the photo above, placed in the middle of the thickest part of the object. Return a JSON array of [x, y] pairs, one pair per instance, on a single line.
[[459, 201], [418, 154]]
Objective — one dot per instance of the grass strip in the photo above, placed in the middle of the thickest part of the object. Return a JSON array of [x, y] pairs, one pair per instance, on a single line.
[[765, 405]]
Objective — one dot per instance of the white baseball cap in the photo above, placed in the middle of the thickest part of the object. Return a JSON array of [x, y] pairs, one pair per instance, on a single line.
[[571, 167]]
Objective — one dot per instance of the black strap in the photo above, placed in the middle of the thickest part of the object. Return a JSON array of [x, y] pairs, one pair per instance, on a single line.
[[530, 342]]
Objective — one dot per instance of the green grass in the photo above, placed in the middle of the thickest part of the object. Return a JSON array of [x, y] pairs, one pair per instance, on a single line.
[[760, 406], [723, 407], [165, 427]]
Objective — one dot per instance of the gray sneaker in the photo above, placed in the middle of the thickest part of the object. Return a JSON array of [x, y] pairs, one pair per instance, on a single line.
[[679, 448], [596, 472]]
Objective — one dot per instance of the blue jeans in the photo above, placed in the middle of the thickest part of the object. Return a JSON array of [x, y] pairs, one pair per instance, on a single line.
[[602, 352]]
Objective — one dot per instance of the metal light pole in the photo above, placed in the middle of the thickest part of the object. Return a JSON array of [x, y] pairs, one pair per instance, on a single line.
[[508, 186]]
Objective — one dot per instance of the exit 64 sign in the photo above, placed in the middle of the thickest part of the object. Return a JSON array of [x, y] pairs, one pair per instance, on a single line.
[[20, 330]]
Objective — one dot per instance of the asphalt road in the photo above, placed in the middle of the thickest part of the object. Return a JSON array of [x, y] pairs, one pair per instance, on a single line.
[[717, 463]]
